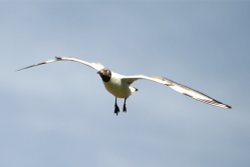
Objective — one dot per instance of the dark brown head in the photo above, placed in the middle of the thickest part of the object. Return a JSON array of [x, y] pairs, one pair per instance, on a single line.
[[105, 74]]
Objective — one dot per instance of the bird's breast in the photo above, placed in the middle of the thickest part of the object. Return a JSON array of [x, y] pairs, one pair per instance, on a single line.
[[117, 88]]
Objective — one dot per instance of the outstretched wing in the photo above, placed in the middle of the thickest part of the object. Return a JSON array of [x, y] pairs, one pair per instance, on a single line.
[[179, 88], [96, 66]]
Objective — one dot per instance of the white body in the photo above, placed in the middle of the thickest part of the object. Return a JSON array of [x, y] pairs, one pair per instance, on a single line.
[[118, 87]]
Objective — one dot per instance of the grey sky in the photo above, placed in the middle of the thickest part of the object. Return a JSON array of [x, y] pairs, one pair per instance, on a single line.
[[60, 114]]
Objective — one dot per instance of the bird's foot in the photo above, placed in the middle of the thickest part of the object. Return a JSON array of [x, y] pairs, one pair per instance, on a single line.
[[117, 109], [124, 108]]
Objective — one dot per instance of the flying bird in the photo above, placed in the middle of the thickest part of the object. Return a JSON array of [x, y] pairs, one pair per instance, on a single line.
[[120, 85]]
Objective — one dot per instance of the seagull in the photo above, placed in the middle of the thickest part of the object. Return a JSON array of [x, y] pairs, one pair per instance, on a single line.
[[120, 85]]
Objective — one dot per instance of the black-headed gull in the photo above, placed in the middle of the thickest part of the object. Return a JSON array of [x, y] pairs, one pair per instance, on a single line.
[[120, 85]]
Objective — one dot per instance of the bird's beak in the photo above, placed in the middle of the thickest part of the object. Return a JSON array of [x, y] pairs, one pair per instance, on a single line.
[[99, 72]]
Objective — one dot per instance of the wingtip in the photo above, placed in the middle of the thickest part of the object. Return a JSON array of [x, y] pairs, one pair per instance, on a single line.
[[224, 106], [20, 69]]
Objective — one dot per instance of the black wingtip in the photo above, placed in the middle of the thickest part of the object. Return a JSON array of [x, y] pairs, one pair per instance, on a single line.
[[18, 70], [31, 66], [22, 69]]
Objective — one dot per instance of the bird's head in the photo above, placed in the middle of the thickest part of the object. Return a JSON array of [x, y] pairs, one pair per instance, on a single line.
[[105, 74]]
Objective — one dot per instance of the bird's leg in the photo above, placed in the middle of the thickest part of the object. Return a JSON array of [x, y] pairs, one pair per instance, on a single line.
[[117, 110], [124, 105]]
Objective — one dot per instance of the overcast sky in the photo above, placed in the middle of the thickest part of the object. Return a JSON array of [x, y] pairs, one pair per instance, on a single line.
[[60, 115]]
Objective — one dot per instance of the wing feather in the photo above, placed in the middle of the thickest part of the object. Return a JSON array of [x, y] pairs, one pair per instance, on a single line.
[[96, 66], [185, 90]]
